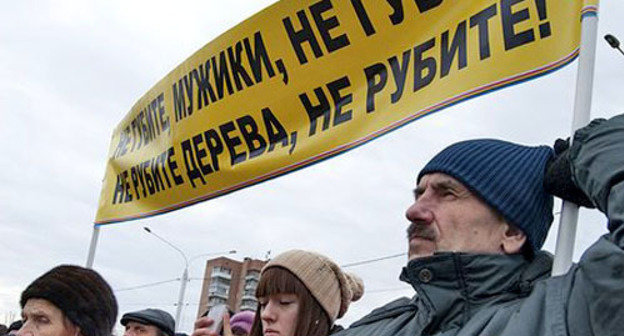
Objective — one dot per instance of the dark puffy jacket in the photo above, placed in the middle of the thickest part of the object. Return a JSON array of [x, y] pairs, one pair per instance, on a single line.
[[468, 294]]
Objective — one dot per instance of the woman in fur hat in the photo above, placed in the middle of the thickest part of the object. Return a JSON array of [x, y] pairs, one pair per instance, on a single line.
[[68, 301], [299, 293]]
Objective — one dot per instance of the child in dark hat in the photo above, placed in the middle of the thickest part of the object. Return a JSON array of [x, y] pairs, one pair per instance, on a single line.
[[68, 300], [14, 327]]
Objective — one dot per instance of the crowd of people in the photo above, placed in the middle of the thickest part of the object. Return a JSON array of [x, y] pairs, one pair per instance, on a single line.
[[481, 213], [299, 293]]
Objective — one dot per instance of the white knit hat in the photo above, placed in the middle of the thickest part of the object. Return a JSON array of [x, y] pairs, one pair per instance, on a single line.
[[329, 285]]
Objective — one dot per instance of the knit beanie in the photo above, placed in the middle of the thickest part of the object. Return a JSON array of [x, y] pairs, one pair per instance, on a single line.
[[81, 294], [507, 176], [328, 284], [155, 317], [242, 321]]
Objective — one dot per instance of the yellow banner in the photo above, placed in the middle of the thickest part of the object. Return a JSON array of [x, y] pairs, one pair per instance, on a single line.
[[304, 80]]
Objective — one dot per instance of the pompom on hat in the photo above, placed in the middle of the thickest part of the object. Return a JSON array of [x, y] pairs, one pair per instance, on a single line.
[[328, 284], [507, 176], [83, 296]]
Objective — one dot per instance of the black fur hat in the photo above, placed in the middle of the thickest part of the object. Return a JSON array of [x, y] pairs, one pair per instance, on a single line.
[[81, 294]]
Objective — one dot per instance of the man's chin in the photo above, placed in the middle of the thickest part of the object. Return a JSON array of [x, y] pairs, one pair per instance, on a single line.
[[419, 254], [420, 248]]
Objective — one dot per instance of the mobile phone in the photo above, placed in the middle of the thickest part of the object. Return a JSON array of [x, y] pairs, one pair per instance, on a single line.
[[216, 313]]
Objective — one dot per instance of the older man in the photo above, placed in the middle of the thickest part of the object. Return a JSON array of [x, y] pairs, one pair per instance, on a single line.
[[68, 300], [148, 322], [481, 213]]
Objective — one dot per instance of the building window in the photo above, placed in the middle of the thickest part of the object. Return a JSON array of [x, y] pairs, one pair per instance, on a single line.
[[220, 281], [251, 283], [249, 304], [218, 289], [215, 300], [221, 269]]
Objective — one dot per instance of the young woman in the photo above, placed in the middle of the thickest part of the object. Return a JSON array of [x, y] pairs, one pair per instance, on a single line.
[[300, 293]]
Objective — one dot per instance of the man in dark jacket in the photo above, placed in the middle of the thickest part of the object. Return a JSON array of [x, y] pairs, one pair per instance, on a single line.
[[481, 214]]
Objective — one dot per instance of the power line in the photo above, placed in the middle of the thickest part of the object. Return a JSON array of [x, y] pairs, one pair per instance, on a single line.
[[151, 284], [174, 304], [357, 263], [152, 304], [366, 292], [385, 290], [363, 262], [146, 285]]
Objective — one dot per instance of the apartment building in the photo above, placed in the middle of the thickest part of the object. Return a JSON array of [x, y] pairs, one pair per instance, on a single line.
[[230, 282]]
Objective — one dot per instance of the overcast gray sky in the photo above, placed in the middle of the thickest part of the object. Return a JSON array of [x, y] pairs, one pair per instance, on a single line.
[[70, 70]]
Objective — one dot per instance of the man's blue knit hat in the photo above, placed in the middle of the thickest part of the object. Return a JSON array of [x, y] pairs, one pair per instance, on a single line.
[[507, 176]]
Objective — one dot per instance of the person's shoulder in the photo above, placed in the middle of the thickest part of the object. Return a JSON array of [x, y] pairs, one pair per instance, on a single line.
[[390, 310]]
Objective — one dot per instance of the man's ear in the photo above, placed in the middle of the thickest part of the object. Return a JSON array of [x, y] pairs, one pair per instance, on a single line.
[[513, 240], [73, 328]]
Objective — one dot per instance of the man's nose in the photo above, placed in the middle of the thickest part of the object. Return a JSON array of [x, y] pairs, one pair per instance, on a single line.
[[419, 211]]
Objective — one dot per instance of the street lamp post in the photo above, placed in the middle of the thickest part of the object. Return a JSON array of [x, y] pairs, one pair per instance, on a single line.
[[185, 277]]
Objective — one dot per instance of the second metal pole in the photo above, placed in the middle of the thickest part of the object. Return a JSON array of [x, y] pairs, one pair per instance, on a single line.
[[184, 280]]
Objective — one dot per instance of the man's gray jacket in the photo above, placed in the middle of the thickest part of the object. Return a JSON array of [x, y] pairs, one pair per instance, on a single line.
[[468, 294]]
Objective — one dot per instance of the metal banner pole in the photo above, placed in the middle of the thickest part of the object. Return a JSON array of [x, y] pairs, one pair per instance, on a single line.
[[92, 246], [582, 107]]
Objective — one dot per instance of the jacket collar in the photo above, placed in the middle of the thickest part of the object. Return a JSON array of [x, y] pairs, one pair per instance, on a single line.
[[451, 286]]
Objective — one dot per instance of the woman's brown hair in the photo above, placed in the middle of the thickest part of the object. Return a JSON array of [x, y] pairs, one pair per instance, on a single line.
[[312, 319]]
